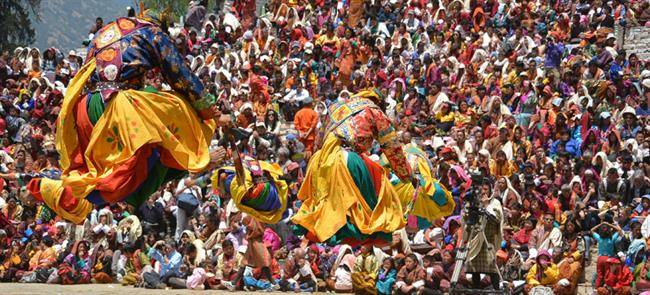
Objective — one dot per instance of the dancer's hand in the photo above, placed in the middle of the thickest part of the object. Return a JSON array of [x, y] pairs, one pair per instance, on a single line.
[[218, 155]]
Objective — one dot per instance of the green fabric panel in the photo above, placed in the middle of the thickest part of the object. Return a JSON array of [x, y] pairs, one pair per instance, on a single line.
[[350, 231], [423, 223], [362, 178], [150, 89], [259, 200], [95, 108], [439, 196], [158, 175]]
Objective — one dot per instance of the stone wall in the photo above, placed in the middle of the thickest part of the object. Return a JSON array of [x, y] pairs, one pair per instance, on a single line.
[[637, 40]]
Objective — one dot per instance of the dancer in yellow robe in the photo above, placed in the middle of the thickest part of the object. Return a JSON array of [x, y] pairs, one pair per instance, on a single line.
[[117, 141]]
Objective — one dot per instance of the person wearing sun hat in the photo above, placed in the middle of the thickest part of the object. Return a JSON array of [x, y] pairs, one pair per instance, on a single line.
[[630, 126]]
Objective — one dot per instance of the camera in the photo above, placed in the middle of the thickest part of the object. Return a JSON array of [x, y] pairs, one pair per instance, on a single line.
[[472, 212]]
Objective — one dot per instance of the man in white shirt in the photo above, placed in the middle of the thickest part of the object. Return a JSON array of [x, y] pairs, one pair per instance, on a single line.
[[462, 146], [296, 96], [293, 100], [439, 98]]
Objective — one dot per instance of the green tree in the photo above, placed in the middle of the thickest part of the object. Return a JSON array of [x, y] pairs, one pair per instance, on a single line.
[[16, 22], [178, 7]]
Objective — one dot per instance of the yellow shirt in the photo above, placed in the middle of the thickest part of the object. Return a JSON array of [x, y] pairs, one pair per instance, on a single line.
[[549, 277]]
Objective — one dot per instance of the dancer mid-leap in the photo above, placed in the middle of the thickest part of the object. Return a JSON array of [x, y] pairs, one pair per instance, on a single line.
[[346, 197], [118, 142]]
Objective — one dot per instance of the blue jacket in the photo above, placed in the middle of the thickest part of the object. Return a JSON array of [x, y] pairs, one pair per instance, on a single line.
[[572, 147], [173, 264]]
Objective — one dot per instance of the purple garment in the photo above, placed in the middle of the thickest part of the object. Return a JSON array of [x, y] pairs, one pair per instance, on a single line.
[[566, 90], [237, 238], [553, 55], [272, 239]]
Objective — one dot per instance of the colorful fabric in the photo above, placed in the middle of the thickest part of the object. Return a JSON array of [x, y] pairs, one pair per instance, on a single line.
[[336, 194], [126, 49], [121, 144], [433, 200], [265, 201], [359, 123], [115, 163]]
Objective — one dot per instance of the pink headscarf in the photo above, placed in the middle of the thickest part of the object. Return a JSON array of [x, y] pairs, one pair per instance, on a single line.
[[461, 173]]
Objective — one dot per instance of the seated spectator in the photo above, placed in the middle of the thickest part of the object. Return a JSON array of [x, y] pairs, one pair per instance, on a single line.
[[76, 266], [543, 273], [617, 279], [228, 262], [606, 240], [136, 263], [570, 268], [410, 277], [386, 277], [163, 252], [546, 235], [365, 271]]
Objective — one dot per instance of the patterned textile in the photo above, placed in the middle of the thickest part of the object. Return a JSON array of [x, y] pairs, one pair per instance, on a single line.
[[359, 122], [125, 50], [481, 256], [118, 143], [433, 200], [347, 197], [265, 200]]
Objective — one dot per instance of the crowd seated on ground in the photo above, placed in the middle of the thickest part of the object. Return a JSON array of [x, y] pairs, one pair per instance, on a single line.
[[539, 97]]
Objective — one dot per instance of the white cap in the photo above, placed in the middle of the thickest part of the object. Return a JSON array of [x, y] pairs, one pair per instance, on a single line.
[[645, 74], [628, 110], [646, 83], [611, 35]]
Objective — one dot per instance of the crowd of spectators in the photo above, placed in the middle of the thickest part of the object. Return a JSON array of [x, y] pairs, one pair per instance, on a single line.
[[537, 96]]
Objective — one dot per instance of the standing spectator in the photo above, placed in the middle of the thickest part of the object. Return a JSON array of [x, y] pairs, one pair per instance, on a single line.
[[152, 213], [305, 121]]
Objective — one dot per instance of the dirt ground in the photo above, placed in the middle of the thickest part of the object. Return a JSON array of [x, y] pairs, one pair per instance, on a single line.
[[96, 289], [38, 289]]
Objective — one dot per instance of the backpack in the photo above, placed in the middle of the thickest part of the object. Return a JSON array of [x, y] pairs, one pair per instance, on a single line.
[[187, 202]]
